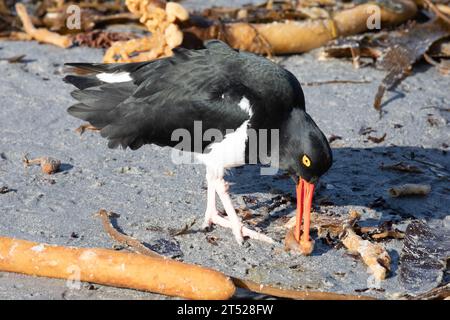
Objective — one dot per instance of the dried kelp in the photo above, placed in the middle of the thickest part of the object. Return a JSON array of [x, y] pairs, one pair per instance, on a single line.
[[394, 51], [41, 34], [162, 21], [100, 38], [443, 66], [404, 49], [401, 167], [267, 12], [440, 49], [423, 258], [8, 21]]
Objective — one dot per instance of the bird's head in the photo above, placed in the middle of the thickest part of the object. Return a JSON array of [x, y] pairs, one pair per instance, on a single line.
[[305, 152], [306, 155]]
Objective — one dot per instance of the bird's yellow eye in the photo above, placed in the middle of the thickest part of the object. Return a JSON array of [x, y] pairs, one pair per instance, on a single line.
[[306, 161]]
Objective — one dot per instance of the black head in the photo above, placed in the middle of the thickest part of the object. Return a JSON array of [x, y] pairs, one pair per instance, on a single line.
[[304, 149]]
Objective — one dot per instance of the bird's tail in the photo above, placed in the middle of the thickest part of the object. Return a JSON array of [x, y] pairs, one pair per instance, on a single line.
[[96, 97]]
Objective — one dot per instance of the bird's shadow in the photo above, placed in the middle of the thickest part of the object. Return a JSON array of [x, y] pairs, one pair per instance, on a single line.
[[358, 178]]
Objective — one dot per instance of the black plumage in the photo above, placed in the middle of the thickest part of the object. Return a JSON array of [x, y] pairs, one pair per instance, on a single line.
[[203, 85], [144, 103]]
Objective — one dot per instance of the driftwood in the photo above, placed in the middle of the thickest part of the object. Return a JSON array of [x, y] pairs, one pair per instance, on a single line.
[[114, 268], [300, 36], [171, 25]]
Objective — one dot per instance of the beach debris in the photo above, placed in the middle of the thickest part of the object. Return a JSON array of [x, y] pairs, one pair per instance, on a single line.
[[161, 19], [137, 246], [160, 247], [15, 59], [245, 213], [41, 34], [382, 232], [442, 11], [440, 49], [377, 139], [281, 292], [280, 200], [401, 167], [212, 240], [101, 38], [274, 27], [443, 66], [114, 268], [166, 246], [48, 165], [395, 51], [187, 227], [345, 230], [5, 189], [403, 49], [366, 130], [423, 259], [333, 138], [123, 239], [374, 255], [439, 293], [409, 189], [337, 81], [86, 127], [279, 35]]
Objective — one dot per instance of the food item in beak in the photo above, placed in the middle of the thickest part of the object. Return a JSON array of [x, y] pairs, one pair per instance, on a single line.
[[299, 240]]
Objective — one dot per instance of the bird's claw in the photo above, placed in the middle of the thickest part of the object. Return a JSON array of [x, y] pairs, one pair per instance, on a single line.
[[239, 231]]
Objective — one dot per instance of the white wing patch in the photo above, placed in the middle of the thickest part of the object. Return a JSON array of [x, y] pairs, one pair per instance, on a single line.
[[228, 153], [244, 104], [114, 77]]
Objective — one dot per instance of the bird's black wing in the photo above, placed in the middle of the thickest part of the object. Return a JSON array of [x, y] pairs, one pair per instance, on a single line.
[[167, 94]]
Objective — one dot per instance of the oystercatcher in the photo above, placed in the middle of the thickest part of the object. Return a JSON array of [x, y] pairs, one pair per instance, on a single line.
[[133, 104]]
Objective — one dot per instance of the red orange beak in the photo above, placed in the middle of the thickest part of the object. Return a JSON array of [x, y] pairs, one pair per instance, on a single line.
[[305, 192]]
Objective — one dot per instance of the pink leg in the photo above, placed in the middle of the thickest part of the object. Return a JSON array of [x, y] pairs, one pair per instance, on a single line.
[[232, 221]]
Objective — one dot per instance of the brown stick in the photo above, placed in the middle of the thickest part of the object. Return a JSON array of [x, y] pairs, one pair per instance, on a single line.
[[41, 35], [132, 243], [295, 294]]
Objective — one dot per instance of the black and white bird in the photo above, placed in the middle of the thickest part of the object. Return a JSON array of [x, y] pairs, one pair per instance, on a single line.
[[133, 104]]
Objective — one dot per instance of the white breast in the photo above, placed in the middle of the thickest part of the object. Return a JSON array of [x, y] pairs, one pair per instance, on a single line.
[[228, 153]]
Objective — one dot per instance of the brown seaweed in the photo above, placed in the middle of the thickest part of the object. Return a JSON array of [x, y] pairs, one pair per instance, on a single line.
[[404, 49], [423, 258], [394, 51], [101, 38]]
